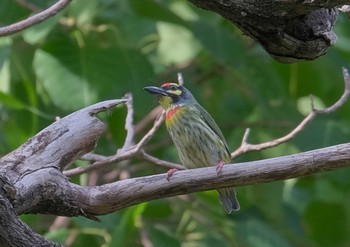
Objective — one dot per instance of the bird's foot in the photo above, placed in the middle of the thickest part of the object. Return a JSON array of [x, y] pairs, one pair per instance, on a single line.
[[219, 168], [170, 173]]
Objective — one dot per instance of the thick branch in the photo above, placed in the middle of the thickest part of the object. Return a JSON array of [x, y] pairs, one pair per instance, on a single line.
[[110, 197], [13, 232], [35, 167], [35, 19], [288, 30]]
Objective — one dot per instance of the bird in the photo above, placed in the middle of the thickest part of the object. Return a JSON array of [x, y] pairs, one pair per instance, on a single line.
[[197, 138]]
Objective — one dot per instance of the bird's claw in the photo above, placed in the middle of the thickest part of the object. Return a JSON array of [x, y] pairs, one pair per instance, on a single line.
[[219, 168], [170, 173]]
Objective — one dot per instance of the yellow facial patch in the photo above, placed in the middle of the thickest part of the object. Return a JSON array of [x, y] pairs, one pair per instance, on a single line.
[[176, 92], [165, 102]]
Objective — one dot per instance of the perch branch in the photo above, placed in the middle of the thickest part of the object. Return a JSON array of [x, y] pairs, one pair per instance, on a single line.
[[35, 19], [247, 147], [108, 198]]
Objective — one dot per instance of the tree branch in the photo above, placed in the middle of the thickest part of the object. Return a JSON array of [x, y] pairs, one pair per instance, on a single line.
[[108, 198], [36, 166], [35, 19], [288, 30]]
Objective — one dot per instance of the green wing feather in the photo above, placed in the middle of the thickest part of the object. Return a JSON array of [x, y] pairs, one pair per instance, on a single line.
[[212, 124]]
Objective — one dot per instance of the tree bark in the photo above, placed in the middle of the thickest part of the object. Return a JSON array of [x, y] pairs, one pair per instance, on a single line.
[[288, 30]]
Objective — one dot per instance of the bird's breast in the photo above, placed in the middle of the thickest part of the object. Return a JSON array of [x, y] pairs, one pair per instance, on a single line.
[[172, 115]]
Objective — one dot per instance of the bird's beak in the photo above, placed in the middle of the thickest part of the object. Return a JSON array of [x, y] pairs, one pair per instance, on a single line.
[[156, 90]]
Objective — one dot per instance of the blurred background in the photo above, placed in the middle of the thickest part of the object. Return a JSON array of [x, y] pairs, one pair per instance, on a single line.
[[101, 49]]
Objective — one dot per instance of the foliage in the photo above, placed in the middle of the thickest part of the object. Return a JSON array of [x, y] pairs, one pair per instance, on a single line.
[[101, 49]]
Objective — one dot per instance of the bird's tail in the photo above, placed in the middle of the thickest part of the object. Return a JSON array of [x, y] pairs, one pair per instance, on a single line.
[[228, 199]]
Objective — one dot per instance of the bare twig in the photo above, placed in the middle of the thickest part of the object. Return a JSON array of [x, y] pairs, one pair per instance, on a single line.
[[143, 155], [92, 157], [35, 19], [180, 79], [129, 123], [152, 131], [246, 147], [101, 163]]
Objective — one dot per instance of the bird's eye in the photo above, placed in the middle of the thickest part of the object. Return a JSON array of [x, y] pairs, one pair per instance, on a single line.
[[173, 87]]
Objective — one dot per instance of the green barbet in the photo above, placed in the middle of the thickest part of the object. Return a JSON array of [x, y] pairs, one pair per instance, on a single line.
[[197, 138]]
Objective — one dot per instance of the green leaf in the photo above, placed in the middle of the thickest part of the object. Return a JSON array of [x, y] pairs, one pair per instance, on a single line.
[[177, 44], [155, 10]]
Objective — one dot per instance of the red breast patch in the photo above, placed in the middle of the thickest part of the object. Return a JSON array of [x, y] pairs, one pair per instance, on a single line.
[[171, 112]]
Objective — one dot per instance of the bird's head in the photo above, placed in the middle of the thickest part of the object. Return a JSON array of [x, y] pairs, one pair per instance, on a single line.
[[171, 94]]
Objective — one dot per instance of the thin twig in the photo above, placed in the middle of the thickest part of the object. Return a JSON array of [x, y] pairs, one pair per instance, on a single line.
[[101, 163], [342, 99], [246, 147], [92, 157], [180, 79], [129, 123], [35, 19], [152, 131], [143, 155]]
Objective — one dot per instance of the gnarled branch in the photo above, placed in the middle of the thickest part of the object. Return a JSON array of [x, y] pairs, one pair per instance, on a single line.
[[288, 30]]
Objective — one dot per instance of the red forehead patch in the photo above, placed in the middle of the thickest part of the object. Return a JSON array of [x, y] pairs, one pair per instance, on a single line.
[[167, 84]]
